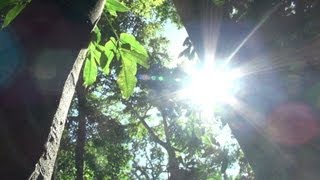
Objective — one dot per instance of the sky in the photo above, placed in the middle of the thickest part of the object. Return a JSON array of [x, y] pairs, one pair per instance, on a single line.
[[176, 37]]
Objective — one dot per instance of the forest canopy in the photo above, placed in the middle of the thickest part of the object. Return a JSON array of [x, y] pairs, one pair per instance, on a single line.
[[241, 72]]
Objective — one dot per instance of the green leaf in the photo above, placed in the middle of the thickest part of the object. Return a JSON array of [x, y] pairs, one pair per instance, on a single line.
[[126, 38], [134, 56], [99, 47], [91, 47], [96, 55], [115, 49], [111, 44], [13, 13], [98, 34], [94, 52], [109, 49], [112, 6], [126, 79], [90, 71]]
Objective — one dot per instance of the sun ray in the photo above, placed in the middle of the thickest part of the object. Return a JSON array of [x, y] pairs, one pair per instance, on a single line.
[[252, 117], [246, 112], [261, 22], [211, 18], [281, 60]]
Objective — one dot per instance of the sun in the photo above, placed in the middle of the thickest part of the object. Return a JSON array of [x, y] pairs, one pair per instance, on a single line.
[[211, 85]]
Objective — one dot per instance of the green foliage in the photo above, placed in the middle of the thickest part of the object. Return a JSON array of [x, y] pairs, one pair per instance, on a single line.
[[130, 57], [127, 149], [135, 54], [146, 8], [90, 70], [106, 154], [126, 78], [15, 10], [109, 49], [114, 6], [136, 51], [97, 32]]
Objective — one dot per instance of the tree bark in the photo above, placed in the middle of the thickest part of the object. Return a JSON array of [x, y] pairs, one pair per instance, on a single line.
[[45, 164], [47, 40], [263, 121], [81, 132]]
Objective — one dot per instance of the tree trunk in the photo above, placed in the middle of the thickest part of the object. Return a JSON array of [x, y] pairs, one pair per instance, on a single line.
[[81, 132], [277, 130], [45, 42]]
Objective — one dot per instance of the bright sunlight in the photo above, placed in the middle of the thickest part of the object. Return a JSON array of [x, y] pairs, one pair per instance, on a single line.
[[211, 85]]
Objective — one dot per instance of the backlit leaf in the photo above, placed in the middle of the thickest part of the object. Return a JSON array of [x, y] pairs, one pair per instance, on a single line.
[[109, 49], [97, 33], [90, 71], [126, 38], [134, 56], [114, 6], [96, 55], [126, 79], [94, 52], [13, 13]]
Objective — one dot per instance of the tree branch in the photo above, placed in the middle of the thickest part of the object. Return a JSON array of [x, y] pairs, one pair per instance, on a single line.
[[153, 135], [165, 127]]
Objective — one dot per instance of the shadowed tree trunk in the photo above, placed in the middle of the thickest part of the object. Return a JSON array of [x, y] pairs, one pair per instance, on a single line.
[[81, 132], [45, 42], [277, 129]]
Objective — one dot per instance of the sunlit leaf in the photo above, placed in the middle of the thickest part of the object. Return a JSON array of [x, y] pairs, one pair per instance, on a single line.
[[90, 71], [126, 38], [109, 49], [114, 6], [111, 45], [97, 33], [96, 55], [94, 52], [91, 47], [134, 56], [13, 13], [126, 79], [99, 47]]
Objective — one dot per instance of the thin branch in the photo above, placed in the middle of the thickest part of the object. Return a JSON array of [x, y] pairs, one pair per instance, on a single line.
[[142, 170], [165, 127], [149, 129], [153, 135]]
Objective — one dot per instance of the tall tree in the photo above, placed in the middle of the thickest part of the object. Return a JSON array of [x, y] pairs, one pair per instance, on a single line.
[[275, 125], [48, 36]]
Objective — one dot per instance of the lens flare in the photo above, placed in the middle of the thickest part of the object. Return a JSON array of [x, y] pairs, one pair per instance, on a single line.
[[209, 86]]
